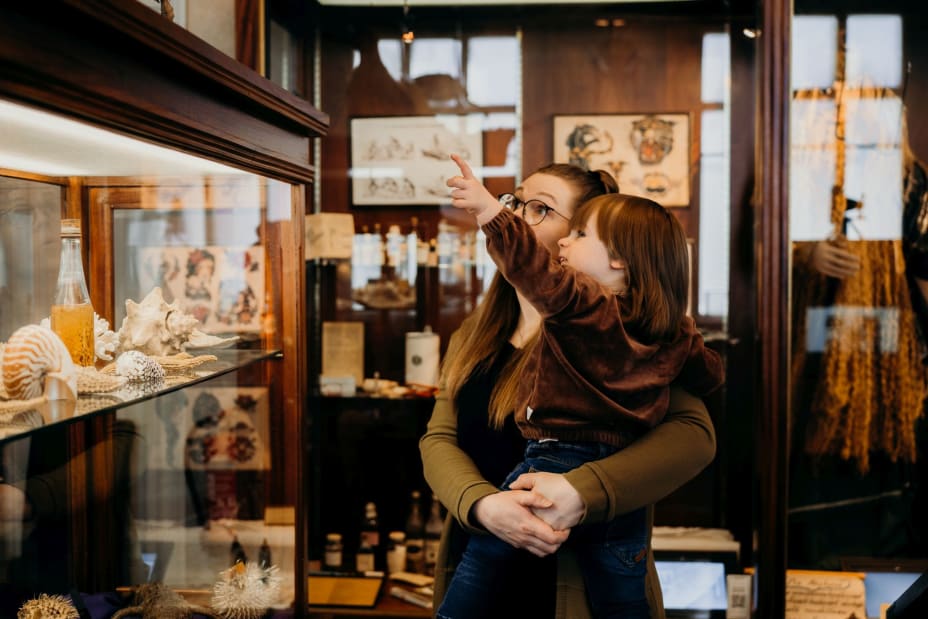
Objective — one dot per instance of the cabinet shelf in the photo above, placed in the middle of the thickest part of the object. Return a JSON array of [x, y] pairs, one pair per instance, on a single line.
[[62, 412]]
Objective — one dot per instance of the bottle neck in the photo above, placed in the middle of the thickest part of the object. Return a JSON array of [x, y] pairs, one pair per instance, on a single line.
[[72, 287]]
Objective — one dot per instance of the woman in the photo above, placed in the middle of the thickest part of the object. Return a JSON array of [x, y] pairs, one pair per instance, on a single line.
[[465, 460]]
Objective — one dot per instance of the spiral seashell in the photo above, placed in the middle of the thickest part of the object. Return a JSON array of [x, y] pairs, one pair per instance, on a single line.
[[32, 354], [137, 366]]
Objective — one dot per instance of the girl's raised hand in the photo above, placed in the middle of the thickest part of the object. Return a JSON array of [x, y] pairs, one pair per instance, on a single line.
[[468, 193]]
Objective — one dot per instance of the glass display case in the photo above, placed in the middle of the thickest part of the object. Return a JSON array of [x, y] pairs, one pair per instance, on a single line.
[[176, 451]]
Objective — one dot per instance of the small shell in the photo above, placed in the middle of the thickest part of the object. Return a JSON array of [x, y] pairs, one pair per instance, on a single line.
[[137, 366], [32, 353], [105, 340]]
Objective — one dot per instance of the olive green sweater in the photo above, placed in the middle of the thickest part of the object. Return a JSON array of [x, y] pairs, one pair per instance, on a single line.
[[649, 469]]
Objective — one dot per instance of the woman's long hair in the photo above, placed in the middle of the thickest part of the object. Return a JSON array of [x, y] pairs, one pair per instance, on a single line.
[[483, 334]]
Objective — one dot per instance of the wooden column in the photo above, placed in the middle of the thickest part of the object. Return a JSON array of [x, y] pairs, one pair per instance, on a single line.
[[772, 220]]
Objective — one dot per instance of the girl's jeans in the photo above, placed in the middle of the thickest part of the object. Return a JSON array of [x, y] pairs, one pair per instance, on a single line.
[[612, 555]]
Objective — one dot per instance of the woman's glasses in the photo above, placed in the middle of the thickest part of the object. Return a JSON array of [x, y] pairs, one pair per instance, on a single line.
[[533, 211]]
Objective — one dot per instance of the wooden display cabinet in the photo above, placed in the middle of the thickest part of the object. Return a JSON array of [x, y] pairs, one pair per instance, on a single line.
[[188, 172]]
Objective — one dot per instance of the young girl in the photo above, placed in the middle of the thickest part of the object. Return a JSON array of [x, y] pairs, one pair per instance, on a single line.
[[614, 335]]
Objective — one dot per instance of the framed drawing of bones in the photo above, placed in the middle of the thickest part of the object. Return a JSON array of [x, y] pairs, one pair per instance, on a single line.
[[647, 153], [404, 159]]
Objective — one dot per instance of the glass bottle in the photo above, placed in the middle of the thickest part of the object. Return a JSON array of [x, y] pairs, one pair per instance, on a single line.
[[333, 551], [396, 552], [415, 536], [433, 528], [237, 552], [370, 527], [264, 555], [72, 313], [364, 560]]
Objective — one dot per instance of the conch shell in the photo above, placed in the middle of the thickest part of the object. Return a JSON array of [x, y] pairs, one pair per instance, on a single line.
[[155, 327], [35, 360]]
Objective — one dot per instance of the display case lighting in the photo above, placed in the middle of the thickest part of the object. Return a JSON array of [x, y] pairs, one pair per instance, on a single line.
[[44, 143]]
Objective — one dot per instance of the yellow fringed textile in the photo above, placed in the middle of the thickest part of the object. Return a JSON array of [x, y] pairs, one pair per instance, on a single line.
[[872, 383]]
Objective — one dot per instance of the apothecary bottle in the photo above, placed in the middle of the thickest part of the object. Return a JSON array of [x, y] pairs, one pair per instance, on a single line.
[[333, 551], [433, 529], [415, 536], [396, 552], [72, 313]]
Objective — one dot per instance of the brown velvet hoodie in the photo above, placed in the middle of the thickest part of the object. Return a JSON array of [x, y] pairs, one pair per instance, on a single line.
[[587, 379]]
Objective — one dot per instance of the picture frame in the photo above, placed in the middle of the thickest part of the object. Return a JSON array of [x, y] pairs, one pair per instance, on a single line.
[[405, 160], [223, 287], [647, 153]]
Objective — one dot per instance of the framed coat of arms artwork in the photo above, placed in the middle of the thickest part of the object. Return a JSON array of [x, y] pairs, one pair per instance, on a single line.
[[647, 153]]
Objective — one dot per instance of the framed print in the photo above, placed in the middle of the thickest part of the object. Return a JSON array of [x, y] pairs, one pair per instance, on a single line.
[[406, 159], [223, 287], [647, 153]]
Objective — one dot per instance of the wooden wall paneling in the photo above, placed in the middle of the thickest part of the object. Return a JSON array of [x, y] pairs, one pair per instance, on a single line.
[[647, 66]]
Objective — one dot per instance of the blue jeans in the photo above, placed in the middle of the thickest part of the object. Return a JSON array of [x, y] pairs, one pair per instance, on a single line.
[[612, 555]]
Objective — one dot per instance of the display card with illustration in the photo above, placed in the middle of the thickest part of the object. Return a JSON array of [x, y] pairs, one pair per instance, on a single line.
[[223, 287]]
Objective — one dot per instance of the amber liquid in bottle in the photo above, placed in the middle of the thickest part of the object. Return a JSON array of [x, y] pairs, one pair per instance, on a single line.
[[71, 312], [74, 325]]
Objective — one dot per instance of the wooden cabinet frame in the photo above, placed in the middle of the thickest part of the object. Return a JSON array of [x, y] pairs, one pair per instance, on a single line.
[[121, 66]]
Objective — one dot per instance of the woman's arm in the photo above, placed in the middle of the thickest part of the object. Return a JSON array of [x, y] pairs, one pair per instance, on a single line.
[[450, 472], [472, 500], [649, 469]]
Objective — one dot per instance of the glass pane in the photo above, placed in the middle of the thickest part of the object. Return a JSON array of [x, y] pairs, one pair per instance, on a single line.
[[812, 175], [869, 175], [856, 354], [813, 51], [434, 57], [183, 258], [812, 122], [874, 50], [30, 217], [714, 224], [874, 121], [493, 76], [391, 55], [713, 134], [715, 61]]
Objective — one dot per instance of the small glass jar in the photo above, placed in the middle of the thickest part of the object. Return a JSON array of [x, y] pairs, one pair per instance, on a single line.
[[333, 551], [396, 552]]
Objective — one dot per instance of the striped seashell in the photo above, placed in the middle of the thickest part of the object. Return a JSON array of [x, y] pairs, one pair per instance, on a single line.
[[137, 366], [30, 355]]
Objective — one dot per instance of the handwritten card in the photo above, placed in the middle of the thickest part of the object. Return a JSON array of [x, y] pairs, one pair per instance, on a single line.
[[329, 235], [343, 349], [825, 595]]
